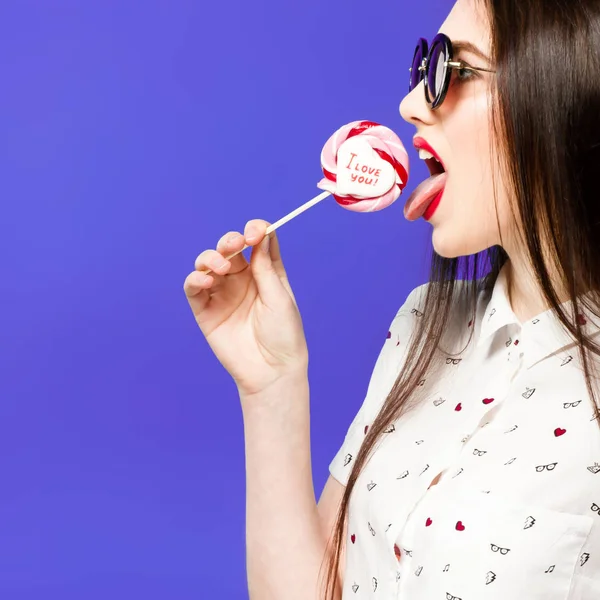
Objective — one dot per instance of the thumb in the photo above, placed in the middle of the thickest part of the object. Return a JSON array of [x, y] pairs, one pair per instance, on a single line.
[[269, 284]]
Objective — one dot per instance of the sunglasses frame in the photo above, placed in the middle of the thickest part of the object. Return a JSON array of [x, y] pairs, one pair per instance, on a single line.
[[449, 64]]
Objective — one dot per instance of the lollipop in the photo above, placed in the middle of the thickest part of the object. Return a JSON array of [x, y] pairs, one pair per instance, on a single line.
[[366, 169], [365, 166]]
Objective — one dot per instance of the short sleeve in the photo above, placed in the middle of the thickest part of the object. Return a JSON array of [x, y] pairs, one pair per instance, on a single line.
[[390, 361]]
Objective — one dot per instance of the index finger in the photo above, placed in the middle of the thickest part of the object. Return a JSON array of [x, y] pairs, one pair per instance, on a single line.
[[230, 244]]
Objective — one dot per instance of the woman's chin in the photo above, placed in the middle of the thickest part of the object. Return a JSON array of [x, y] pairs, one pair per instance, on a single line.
[[442, 249], [446, 245]]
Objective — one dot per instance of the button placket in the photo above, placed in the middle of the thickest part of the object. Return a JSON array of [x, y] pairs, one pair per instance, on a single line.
[[486, 419]]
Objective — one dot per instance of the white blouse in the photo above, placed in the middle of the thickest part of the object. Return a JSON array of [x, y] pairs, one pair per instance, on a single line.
[[511, 428]]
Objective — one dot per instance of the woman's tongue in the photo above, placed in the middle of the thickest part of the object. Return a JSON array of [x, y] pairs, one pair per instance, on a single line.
[[423, 196]]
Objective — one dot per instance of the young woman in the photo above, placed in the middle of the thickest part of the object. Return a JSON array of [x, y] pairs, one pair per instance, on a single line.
[[472, 469]]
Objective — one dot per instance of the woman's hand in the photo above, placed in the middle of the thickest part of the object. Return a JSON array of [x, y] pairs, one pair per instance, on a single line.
[[247, 311]]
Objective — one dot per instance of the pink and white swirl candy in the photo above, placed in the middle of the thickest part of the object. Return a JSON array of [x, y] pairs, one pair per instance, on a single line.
[[366, 166]]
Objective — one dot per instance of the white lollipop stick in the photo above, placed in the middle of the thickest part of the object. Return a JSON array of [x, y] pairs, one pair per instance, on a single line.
[[283, 220]]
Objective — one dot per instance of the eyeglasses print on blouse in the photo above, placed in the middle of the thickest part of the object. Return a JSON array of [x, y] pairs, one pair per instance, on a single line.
[[549, 467], [571, 404]]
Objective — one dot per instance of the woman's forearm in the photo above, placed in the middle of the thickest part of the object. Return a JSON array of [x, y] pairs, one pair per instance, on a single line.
[[284, 540]]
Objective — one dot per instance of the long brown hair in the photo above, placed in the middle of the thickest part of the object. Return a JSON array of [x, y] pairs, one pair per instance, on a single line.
[[545, 115]]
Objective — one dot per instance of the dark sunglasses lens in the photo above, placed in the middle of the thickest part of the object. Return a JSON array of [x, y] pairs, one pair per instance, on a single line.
[[415, 74], [437, 70]]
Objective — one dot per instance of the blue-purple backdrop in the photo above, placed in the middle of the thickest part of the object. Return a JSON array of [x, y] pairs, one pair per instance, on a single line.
[[134, 135]]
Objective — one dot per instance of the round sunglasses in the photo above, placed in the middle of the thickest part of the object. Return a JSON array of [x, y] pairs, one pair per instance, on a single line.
[[435, 65]]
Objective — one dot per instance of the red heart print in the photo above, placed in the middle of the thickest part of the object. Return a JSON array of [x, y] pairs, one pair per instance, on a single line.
[[559, 431], [460, 526], [389, 335], [397, 552], [488, 400], [458, 407], [428, 522], [581, 320], [353, 538], [366, 429]]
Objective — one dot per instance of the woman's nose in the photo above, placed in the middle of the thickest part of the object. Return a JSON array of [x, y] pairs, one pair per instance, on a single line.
[[413, 107]]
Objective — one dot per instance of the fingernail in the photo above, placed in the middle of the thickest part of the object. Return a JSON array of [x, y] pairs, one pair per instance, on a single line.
[[251, 234]]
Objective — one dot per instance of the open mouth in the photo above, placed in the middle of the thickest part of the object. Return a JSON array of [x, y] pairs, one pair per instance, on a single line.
[[435, 167]]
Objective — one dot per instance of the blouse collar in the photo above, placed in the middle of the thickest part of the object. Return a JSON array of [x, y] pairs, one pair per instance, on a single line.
[[541, 336]]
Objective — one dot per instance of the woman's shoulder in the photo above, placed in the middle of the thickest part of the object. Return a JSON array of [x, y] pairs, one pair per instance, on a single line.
[[460, 316], [466, 294]]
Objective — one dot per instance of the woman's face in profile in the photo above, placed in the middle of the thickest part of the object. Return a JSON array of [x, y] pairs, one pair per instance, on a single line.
[[460, 130]]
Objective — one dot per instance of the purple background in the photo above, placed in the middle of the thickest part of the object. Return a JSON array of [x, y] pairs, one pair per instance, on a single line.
[[134, 135]]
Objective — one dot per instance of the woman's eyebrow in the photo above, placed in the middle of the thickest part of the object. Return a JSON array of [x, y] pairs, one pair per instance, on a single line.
[[469, 47]]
